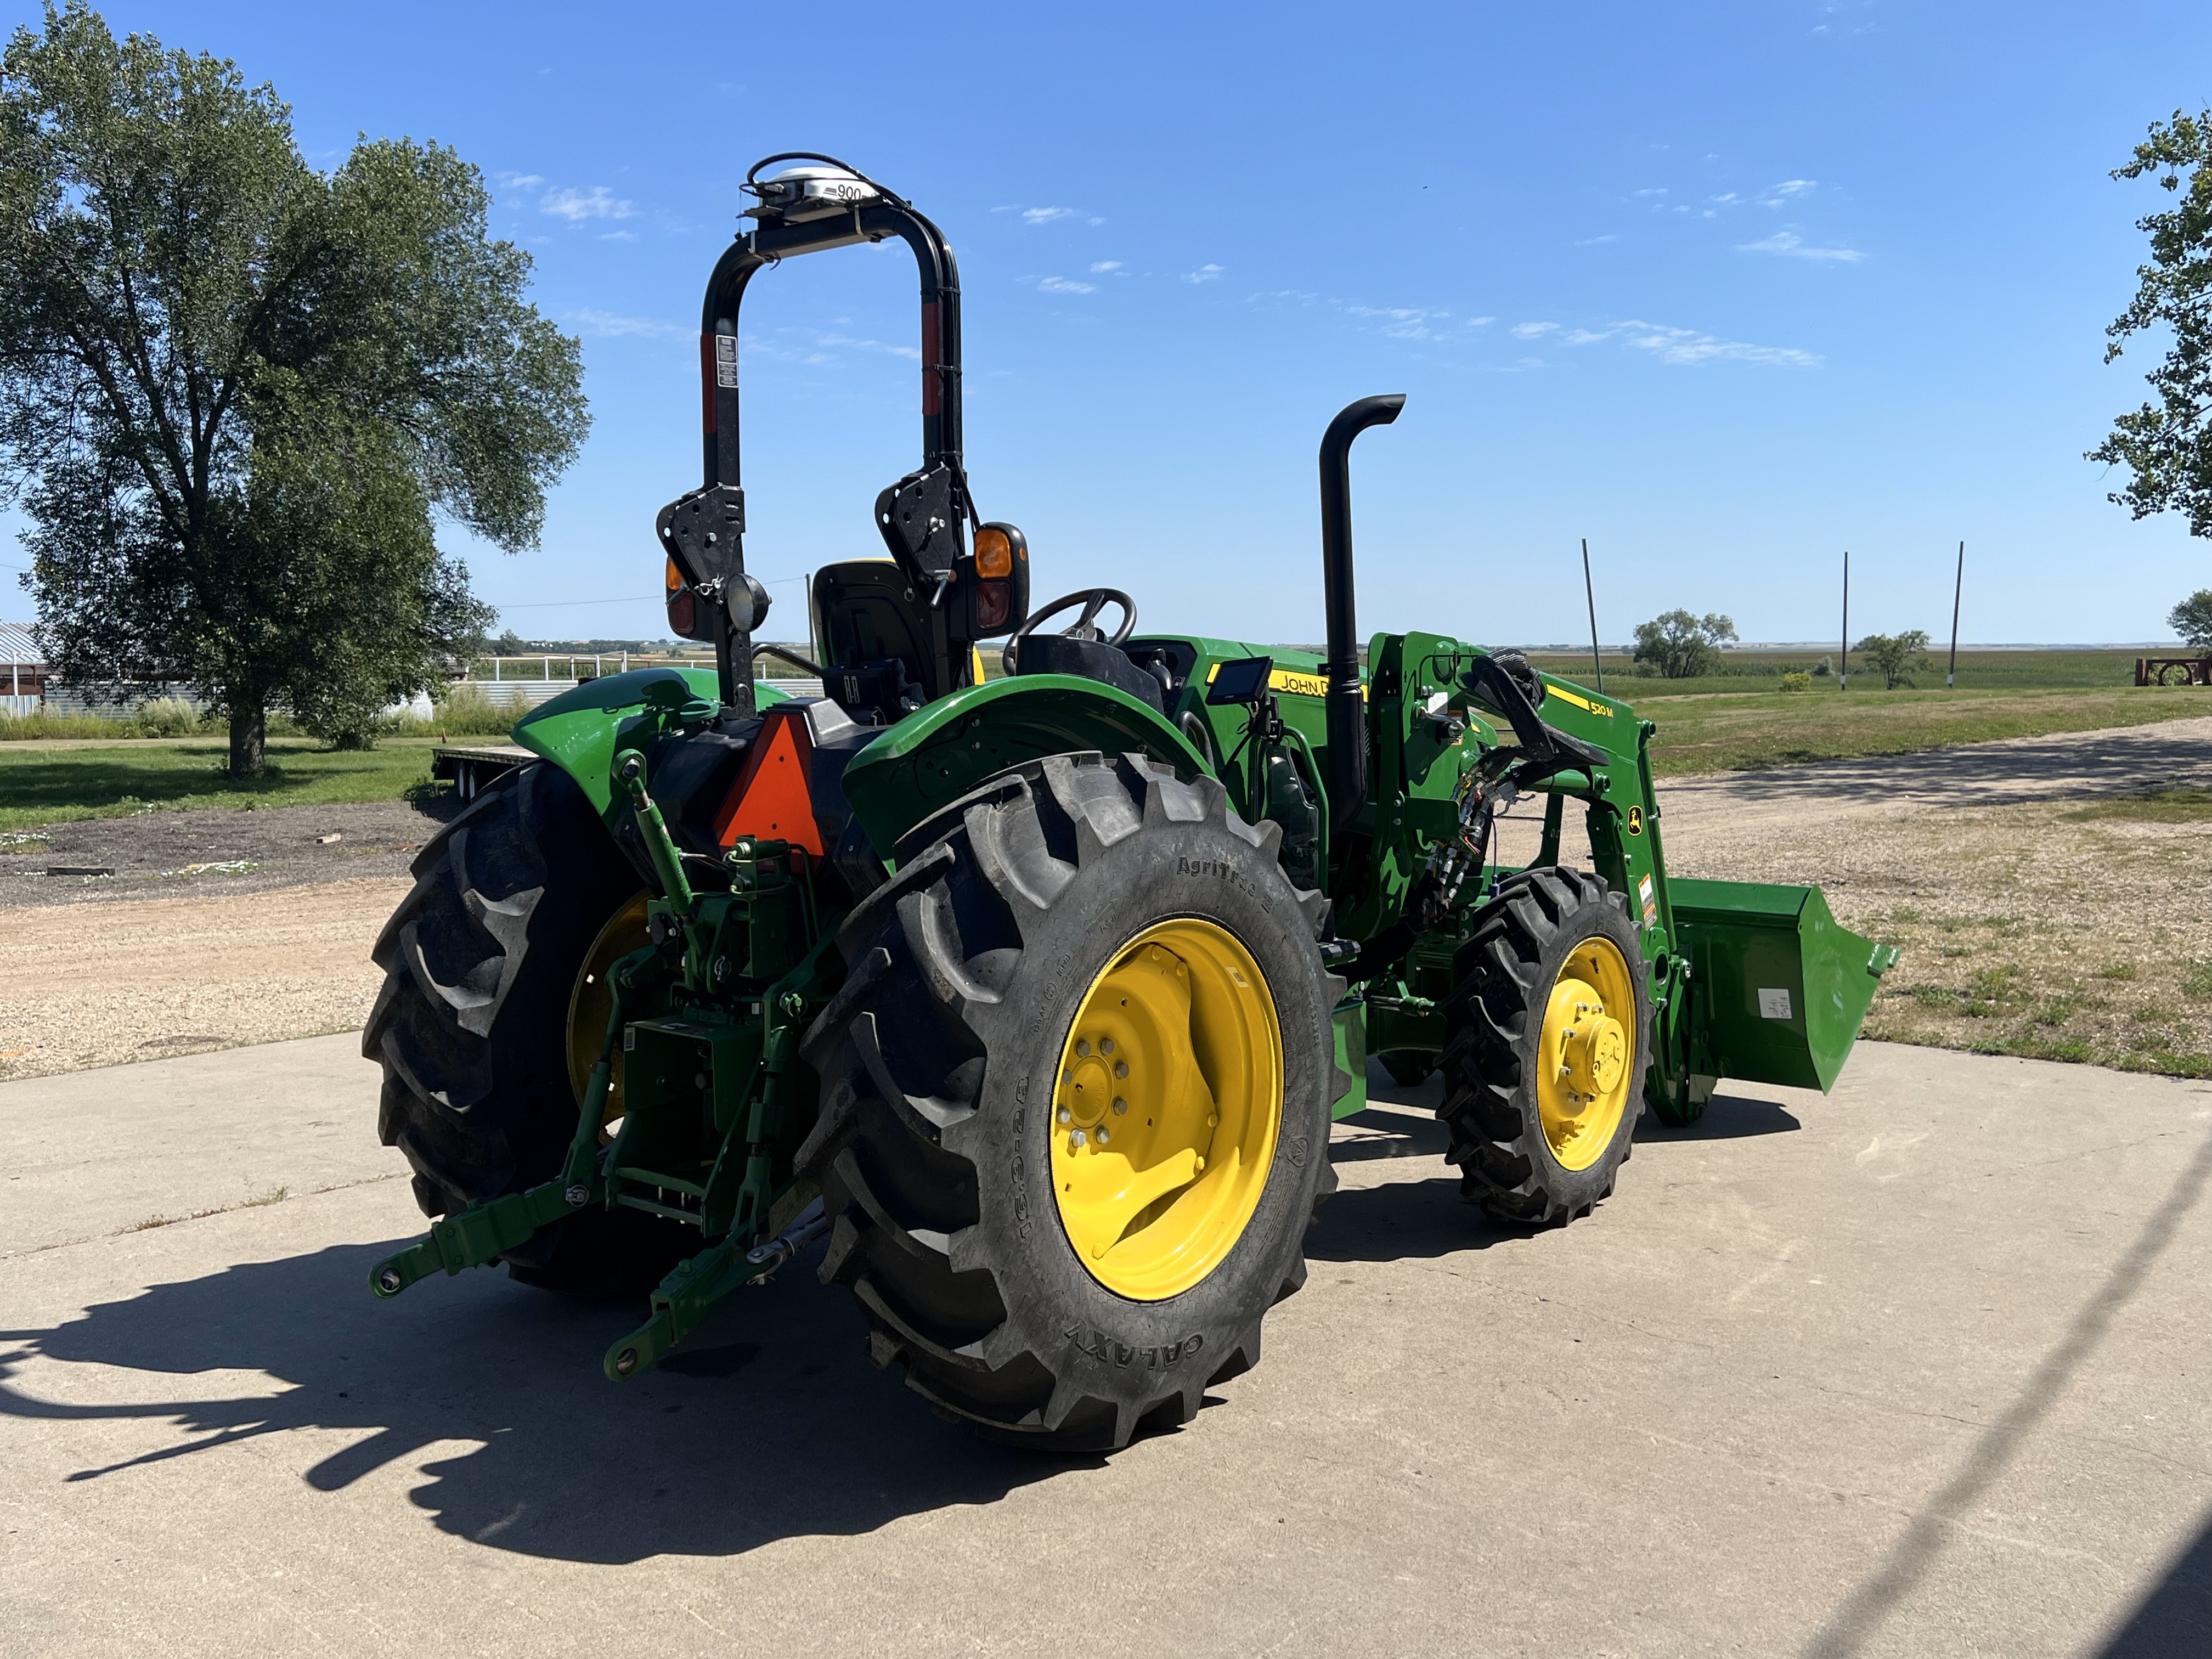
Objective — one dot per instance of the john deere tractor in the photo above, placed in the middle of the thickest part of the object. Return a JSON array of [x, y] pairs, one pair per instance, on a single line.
[[1036, 995]]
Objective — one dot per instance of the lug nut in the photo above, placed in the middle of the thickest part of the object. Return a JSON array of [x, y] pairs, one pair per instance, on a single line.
[[1083, 1045], [1075, 1142], [1105, 1045], [1121, 1068], [1103, 1137], [1119, 1106], [1064, 1116]]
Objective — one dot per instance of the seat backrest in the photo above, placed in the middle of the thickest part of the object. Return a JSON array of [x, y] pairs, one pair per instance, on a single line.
[[874, 631], [1093, 659]]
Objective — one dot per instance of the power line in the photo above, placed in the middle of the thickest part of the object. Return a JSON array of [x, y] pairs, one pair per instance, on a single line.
[[626, 598]]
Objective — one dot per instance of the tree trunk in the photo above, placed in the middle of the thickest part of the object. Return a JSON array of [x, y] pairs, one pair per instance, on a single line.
[[249, 737]]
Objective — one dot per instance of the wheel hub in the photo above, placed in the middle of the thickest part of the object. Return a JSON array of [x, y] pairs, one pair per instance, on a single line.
[[1587, 1053], [1165, 1109], [1595, 1051]]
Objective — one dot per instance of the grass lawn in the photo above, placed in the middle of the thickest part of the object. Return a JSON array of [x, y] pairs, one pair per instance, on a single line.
[[1732, 730], [52, 781], [48, 780], [2093, 949], [1979, 670]]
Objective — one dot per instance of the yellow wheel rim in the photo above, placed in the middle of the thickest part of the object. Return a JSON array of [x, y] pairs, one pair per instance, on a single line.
[[1168, 1101], [1586, 1056], [590, 1002]]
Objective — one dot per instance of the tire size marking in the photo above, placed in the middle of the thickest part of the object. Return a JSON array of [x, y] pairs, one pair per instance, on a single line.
[[1222, 870], [1107, 1351]]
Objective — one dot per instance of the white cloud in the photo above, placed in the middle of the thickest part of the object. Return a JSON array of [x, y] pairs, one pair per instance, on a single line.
[[1592, 242], [1045, 216], [1203, 274], [1102, 266], [578, 205], [607, 326], [1791, 244], [1686, 346], [1586, 336], [1532, 330], [1406, 322], [1065, 285], [1788, 191], [1651, 192], [834, 341], [520, 180], [618, 236]]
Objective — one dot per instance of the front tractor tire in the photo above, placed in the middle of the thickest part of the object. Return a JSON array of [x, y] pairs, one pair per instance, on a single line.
[[1076, 1096], [489, 967], [1550, 1023]]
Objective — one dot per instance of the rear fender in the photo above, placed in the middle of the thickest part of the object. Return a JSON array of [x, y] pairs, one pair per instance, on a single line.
[[941, 752], [581, 730]]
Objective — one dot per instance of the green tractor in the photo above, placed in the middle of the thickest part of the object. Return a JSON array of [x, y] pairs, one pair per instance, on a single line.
[[1036, 996]]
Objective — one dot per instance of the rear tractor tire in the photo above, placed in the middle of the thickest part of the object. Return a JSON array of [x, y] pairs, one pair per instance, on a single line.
[[1550, 1019], [1076, 1096], [493, 968]]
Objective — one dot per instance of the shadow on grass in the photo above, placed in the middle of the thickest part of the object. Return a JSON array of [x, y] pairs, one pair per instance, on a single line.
[[2053, 767]]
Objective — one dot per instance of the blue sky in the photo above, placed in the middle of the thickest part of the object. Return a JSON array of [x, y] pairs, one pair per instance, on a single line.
[[1726, 288]]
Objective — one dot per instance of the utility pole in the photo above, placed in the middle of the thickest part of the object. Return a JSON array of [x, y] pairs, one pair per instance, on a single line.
[[1844, 662], [1590, 593], [1951, 674]]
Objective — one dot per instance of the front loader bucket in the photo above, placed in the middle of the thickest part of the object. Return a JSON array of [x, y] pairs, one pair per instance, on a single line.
[[1778, 986]]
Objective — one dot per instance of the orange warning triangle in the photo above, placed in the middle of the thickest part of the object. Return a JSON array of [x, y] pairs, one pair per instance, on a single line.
[[771, 799]]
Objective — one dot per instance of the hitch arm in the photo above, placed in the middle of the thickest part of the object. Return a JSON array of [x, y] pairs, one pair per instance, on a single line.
[[480, 1234]]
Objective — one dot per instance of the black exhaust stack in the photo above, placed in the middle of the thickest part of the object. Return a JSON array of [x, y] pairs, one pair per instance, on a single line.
[[1347, 717]]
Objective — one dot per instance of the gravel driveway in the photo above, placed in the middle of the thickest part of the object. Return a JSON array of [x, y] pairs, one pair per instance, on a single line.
[[2031, 924]]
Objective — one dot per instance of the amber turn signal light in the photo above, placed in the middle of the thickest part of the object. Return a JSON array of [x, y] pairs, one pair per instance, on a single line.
[[995, 552]]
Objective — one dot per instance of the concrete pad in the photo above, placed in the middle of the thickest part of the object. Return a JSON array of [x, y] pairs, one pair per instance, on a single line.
[[90, 1153], [1918, 1368]]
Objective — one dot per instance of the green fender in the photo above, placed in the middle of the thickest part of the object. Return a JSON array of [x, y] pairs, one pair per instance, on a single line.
[[579, 730], [939, 753]]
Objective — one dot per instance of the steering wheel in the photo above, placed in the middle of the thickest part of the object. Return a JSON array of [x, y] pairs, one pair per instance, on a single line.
[[1085, 627]]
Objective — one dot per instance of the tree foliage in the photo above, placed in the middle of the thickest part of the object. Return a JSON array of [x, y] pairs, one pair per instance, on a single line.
[[234, 391], [2166, 444], [1896, 657], [2192, 620], [1680, 645]]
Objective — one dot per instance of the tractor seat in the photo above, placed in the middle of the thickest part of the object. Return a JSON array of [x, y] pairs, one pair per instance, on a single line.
[[1090, 660]]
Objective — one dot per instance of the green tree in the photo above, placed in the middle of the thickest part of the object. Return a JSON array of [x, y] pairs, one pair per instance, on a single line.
[[1680, 645], [2192, 620], [234, 391], [1896, 657], [2167, 443]]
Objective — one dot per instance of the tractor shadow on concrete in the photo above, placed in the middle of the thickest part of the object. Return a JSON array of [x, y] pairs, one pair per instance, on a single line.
[[769, 1424], [1415, 1212]]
